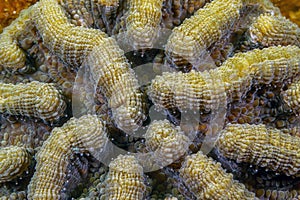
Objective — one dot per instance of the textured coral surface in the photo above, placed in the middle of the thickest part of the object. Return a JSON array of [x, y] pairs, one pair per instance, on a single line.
[[125, 179], [9, 10], [261, 146], [13, 161], [52, 160], [201, 98], [207, 180]]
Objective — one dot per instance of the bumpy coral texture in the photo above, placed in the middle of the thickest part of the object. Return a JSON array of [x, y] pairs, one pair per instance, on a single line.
[[24, 133], [125, 179], [63, 35], [34, 99], [109, 2], [143, 22], [14, 161], [167, 142], [102, 54], [120, 87], [192, 38], [233, 79], [55, 29], [274, 194], [292, 97], [261, 146], [86, 134], [270, 30], [11, 56], [208, 180]]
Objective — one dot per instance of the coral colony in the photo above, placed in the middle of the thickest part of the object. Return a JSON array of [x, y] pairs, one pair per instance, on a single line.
[[213, 115]]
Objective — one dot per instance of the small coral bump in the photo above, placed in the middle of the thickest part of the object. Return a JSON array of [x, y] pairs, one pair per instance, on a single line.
[[143, 22], [269, 30], [125, 179], [167, 142], [206, 179], [34, 99], [291, 97], [14, 161]]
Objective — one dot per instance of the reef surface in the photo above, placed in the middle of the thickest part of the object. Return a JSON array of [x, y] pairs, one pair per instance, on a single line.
[[150, 99]]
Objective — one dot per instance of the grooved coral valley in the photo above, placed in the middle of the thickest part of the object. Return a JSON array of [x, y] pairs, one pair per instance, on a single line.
[[150, 99]]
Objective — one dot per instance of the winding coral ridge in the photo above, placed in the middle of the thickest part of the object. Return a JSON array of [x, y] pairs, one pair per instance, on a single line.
[[11, 56], [86, 134], [71, 43], [292, 96], [142, 22], [198, 91], [14, 161], [199, 32], [261, 146], [63, 39], [109, 66], [118, 83], [270, 30], [168, 143], [125, 179], [208, 180], [34, 99]]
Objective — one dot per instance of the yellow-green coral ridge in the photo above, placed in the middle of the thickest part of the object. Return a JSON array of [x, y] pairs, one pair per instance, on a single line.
[[208, 25], [206, 179], [11, 55], [34, 99], [125, 179], [261, 146], [71, 43], [205, 90], [86, 134], [107, 61], [143, 22], [14, 161], [270, 30]]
